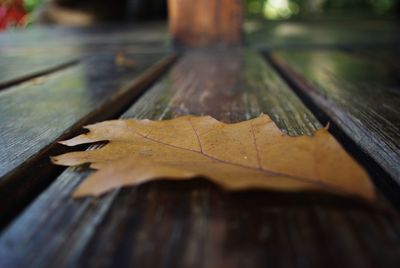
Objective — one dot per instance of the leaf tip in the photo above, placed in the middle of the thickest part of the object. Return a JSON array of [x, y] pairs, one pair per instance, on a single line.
[[65, 142], [327, 126], [81, 139], [54, 159], [265, 116], [78, 194]]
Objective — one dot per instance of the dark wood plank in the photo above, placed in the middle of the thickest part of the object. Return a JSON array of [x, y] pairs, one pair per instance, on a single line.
[[105, 34], [309, 34], [15, 69], [360, 94], [24, 54], [40, 111], [195, 224]]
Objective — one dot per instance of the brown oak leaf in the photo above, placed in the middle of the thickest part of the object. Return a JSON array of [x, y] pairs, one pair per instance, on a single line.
[[250, 154]]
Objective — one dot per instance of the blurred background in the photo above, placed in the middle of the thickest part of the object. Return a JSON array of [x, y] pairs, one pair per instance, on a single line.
[[310, 9], [23, 13]]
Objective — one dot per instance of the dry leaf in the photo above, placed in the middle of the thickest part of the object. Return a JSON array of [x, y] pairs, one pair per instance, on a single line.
[[249, 154], [121, 60]]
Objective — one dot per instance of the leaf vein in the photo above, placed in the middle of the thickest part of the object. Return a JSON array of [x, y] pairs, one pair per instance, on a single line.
[[197, 136], [255, 146], [262, 170]]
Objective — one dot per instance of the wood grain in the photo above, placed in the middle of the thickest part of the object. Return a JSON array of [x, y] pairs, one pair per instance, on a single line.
[[360, 95], [24, 55], [327, 33], [195, 224], [142, 37], [38, 112], [16, 69]]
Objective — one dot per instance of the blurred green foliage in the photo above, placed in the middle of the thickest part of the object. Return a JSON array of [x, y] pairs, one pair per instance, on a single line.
[[31, 5], [284, 9]]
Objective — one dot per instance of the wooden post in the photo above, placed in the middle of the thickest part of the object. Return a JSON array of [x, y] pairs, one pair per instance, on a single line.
[[201, 23]]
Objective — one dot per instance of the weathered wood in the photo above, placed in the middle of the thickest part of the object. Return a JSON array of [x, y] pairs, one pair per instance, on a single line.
[[15, 69], [139, 36], [38, 112], [193, 223], [329, 33], [359, 95], [24, 55], [206, 22]]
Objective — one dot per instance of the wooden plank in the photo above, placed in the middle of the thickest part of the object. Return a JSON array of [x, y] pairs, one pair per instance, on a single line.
[[311, 34], [15, 69], [206, 23], [194, 223], [358, 94], [147, 34], [24, 55], [40, 111]]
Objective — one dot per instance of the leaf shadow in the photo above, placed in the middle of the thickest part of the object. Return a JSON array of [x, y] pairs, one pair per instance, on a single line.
[[267, 198]]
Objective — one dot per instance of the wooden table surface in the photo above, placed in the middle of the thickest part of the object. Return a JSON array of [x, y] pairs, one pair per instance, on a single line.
[[303, 75]]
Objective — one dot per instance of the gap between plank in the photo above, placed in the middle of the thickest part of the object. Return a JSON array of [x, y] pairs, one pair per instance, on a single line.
[[26, 78], [380, 177], [23, 184]]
